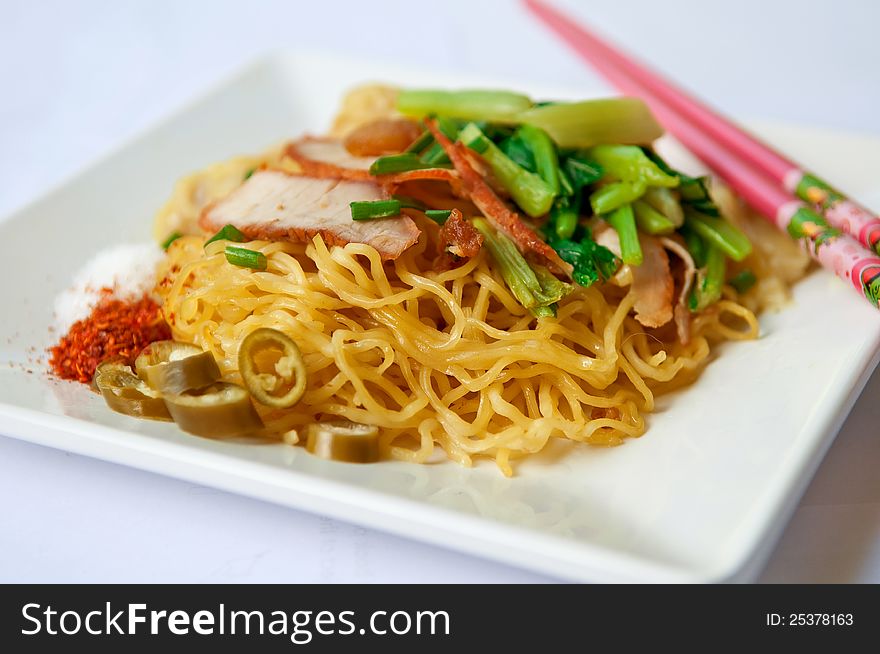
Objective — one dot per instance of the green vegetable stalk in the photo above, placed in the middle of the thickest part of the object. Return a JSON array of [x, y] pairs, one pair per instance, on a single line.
[[500, 106], [527, 189], [611, 197], [533, 287], [634, 172], [623, 221], [650, 220], [544, 152], [630, 164], [664, 200], [518, 151], [709, 281], [564, 216], [585, 124], [719, 232]]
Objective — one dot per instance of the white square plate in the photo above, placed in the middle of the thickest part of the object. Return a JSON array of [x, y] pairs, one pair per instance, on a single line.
[[701, 497]]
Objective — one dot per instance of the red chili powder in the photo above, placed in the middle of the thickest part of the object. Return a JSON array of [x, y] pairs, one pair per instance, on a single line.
[[114, 329]]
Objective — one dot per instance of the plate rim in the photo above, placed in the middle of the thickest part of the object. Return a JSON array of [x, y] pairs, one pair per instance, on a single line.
[[742, 557]]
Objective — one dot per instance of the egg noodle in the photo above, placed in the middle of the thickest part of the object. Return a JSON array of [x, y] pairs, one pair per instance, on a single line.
[[438, 358], [444, 358]]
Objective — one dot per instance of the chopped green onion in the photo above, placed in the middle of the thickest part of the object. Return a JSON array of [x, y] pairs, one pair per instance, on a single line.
[[248, 174], [528, 190], [228, 233], [371, 209], [710, 279], [624, 223], [532, 287], [173, 236], [439, 216], [743, 280], [544, 152], [650, 220], [397, 163], [423, 141], [436, 155], [407, 202], [585, 124], [719, 232], [615, 195], [245, 258], [663, 200], [470, 105]]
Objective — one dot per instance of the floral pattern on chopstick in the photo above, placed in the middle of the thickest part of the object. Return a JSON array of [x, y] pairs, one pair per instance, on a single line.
[[840, 210]]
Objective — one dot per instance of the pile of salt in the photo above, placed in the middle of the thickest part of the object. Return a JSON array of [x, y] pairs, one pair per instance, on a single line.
[[129, 271]]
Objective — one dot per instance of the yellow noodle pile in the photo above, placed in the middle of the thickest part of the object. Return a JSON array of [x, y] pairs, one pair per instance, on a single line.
[[438, 358]]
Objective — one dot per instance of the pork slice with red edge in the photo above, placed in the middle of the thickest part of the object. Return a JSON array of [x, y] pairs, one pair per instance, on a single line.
[[328, 158], [273, 205]]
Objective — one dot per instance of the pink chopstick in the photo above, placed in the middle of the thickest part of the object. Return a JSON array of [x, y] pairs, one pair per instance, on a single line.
[[632, 77], [760, 175]]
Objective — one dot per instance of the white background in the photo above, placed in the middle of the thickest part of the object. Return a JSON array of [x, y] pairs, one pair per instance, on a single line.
[[78, 77]]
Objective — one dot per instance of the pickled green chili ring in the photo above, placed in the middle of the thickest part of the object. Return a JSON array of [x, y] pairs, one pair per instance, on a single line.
[[272, 368], [173, 367], [125, 393], [220, 410], [350, 442]]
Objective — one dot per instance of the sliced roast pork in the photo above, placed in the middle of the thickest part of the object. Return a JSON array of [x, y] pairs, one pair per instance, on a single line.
[[274, 205]]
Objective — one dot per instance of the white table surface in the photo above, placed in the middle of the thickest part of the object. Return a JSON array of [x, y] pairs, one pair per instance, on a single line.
[[78, 77]]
